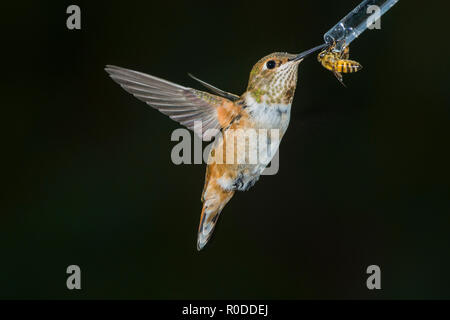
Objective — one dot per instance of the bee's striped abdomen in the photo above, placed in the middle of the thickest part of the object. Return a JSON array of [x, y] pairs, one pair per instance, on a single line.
[[347, 66]]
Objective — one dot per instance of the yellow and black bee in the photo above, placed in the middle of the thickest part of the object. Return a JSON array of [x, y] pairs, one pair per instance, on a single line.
[[338, 62]]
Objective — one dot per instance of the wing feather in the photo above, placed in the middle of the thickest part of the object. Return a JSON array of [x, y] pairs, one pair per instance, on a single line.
[[216, 90], [182, 104]]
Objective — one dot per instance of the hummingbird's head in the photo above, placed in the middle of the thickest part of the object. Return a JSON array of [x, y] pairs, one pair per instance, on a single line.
[[273, 79]]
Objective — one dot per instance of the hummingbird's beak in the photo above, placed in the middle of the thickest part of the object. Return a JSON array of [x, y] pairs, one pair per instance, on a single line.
[[308, 52]]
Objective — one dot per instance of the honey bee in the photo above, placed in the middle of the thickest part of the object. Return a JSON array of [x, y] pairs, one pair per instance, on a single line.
[[338, 62]]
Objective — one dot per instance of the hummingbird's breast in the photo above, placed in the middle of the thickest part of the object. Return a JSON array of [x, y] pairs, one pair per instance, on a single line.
[[253, 139], [268, 115]]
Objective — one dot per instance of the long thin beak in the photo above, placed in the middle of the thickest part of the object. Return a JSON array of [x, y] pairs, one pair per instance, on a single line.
[[308, 52]]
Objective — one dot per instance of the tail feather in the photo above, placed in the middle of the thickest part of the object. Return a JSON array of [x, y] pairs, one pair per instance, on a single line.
[[213, 204]]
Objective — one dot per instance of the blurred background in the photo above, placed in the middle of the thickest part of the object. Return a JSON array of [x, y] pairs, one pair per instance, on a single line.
[[88, 178]]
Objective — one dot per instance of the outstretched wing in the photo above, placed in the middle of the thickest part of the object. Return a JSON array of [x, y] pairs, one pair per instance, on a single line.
[[196, 110]]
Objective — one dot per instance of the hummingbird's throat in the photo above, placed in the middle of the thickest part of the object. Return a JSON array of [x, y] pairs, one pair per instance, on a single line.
[[275, 93]]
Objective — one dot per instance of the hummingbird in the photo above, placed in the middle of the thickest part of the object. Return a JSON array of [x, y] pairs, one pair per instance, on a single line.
[[266, 104]]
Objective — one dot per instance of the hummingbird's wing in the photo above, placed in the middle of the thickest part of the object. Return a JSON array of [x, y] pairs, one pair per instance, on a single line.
[[197, 110], [220, 92]]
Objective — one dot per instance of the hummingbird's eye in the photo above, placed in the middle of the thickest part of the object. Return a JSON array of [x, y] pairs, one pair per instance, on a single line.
[[271, 64]]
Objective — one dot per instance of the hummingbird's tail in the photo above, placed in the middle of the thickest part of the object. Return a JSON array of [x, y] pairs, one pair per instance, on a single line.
[[214, 200]]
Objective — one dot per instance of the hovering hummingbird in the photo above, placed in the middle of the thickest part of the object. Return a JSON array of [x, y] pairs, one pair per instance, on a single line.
[[266, 104]]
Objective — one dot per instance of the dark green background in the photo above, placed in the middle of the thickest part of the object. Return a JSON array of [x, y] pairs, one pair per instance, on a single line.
[[88, 179]]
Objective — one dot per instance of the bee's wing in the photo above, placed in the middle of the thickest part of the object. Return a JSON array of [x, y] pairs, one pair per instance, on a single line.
[[339, 77], [345, 53], [185, 105]]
